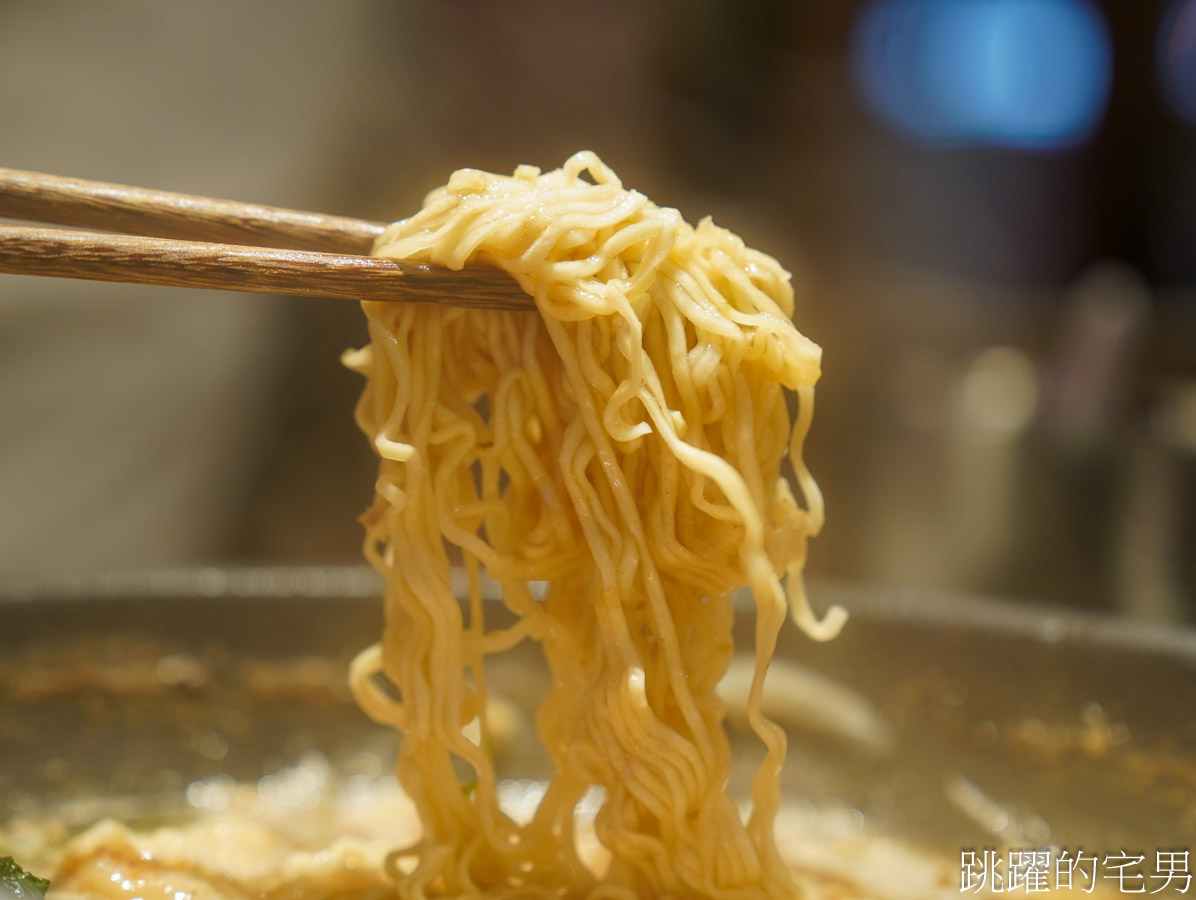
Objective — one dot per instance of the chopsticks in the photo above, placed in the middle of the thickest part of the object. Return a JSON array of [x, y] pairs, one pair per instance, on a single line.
[[181, 240]]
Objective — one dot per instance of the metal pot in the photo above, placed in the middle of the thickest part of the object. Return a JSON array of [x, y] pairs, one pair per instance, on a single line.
[[950, 722]]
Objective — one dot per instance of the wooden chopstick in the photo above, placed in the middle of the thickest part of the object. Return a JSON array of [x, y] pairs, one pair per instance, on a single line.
[[192, 241], [62, 253], [37, 197]]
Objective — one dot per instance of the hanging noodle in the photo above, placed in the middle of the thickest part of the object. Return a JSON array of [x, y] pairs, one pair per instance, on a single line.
[[623, 445]]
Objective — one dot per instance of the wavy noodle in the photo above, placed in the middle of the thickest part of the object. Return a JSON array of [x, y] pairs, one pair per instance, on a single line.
[[623, 445]]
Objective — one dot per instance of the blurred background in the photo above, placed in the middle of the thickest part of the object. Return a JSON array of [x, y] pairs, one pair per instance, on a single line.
[[989, 207]]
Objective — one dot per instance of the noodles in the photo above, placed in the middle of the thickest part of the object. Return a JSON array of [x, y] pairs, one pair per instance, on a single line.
[[624, 445]]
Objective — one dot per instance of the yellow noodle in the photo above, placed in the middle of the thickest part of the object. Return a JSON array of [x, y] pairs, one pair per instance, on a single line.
[[624, 445]]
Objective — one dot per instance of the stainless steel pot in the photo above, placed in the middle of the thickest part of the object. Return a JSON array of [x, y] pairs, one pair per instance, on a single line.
[[948, 721]]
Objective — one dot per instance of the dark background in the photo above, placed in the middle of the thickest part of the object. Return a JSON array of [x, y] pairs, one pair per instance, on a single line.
[[1008, 403]]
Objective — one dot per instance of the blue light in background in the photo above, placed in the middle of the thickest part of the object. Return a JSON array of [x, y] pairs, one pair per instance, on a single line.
[[1176, 58], [1021, 74]]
